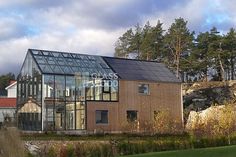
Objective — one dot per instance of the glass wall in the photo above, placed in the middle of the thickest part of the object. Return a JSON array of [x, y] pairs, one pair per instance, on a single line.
[[54, 87], [29, 96], [70, 102], [48, 93]]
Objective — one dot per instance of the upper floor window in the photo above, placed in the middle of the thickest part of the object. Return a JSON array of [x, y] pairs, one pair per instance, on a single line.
[[101, 116], [143, 89]]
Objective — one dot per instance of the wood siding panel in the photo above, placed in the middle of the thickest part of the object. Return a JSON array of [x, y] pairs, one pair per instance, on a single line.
[[163, 96]]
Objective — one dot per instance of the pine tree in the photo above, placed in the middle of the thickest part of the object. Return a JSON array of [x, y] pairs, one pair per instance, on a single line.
[[179, 41], [229, 45], [123, 45]]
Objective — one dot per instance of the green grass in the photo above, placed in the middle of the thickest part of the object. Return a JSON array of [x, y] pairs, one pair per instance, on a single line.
[[227, 151]]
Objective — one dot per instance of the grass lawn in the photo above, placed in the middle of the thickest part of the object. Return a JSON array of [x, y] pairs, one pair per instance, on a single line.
[[227, 151]]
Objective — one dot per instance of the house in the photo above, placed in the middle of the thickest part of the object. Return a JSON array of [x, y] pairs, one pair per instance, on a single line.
[[8, 103], [11, 89], [76, 92]]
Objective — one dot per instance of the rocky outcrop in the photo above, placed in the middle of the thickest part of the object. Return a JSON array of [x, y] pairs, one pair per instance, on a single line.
[[201, 95]]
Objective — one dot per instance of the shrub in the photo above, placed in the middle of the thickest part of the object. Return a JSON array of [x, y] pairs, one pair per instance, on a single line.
[[51, 152]]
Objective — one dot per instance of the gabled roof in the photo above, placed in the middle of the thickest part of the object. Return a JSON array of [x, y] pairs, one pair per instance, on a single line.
[[12, 83], [130, 69], [54, 62], [7, 102]]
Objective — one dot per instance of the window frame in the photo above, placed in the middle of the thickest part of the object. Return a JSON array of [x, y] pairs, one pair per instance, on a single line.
[[101, 123], [143, 84], [128, 118]]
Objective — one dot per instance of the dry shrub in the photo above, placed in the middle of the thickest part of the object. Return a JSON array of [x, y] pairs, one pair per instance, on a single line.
[[10, 143], [164, 123], [220, 122]]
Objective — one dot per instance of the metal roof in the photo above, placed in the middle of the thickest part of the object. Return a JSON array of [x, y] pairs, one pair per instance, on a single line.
[[130, 69]]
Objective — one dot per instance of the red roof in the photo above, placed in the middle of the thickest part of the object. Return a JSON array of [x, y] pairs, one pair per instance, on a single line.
[[7, 102], [12, 81]]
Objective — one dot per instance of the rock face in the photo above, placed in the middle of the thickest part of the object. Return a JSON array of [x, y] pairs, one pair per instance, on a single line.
[[200, 96], [202, 116]]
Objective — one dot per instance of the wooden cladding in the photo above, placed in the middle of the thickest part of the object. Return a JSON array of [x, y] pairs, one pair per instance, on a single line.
[[161, 97]]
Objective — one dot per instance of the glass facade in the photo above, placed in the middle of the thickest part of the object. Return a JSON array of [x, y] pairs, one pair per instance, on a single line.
[[53, 88]]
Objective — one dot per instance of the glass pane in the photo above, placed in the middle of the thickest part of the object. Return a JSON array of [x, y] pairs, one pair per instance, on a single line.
[[70, 116], [45, 68], [143, 88], [106, 86], [114, 90], [48, 87], [89, 89], [80, 119], [59, 116], [66, 69], [40, 59], [36, 52], [57, 69], [98, 89], [70, 88], [132, 115], [60, 88], [101, 117]]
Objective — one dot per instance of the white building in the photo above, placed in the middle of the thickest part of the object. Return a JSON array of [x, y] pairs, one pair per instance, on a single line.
[[11, 89], [8, 104]]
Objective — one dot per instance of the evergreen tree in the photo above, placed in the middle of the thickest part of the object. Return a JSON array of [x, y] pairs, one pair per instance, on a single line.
[[201, 55], [137, 39], [5, 80], [179, 41], [216, 54], [123, 45], [229, 45]]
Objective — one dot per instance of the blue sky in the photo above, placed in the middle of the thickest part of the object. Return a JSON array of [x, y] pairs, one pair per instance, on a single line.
[[89, 26]]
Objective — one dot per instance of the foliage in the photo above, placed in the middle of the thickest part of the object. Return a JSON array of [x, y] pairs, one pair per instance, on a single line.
[[5, 80], [220, 122], [10, 143], [200, 57]]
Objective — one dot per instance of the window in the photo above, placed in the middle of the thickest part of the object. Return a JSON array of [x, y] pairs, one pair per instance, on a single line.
[[132, 116], [143, 89], [106, 86], [101, 116], [114, 90]]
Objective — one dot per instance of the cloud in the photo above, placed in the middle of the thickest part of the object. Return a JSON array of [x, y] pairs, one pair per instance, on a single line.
[[98, 42], [88, 26]]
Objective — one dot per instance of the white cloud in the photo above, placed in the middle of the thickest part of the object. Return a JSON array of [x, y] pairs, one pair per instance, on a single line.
[[88, 41], [89, 26]]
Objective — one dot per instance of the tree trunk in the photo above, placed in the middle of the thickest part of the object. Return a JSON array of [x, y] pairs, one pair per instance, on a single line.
[[222, 71], [232, 67]]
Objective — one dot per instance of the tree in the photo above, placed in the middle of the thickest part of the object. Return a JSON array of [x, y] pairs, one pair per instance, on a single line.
[[137, 39], [229, 45], [145, 47], [152, 44], [123, 45], [217, 54], [201, 55], [5, 80], [179, 40]]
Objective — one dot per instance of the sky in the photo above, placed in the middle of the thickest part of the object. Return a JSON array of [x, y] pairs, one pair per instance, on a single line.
[[93, 26]]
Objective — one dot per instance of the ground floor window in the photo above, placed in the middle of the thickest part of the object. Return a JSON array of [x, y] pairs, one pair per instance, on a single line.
[[101, 116], [132, 115]]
